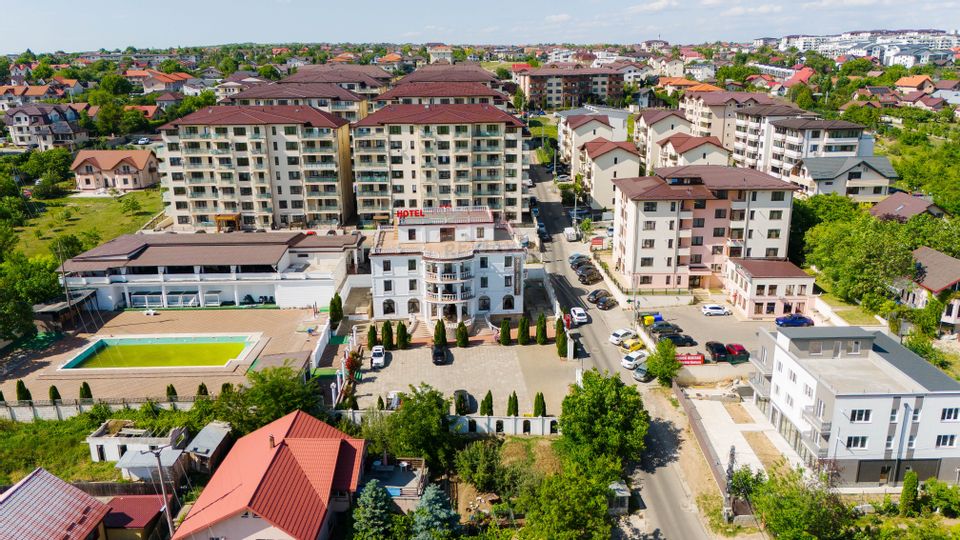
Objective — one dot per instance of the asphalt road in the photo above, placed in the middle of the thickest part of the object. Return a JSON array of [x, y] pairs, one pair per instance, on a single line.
[[670, 514]]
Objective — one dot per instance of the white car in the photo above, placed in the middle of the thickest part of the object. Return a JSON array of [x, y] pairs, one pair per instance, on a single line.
[[563, 178], [709, 310], [618, 336], [527, 182], [378, 356], [634, 359], [143, 141], [578, 316]]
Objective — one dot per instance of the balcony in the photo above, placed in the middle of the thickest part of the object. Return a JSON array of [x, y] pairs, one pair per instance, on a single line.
[[201, 195], [686, 214], [449, 276], [760, 385], [449, 297], [818, 424], [815, 443], [488, 163], [264, 195], [373, 165], [201, 180], [317, 150], [320, 165]]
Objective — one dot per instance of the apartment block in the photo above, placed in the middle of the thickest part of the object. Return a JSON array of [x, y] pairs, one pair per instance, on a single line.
[[455, 264], [714, 114], [575, 131], [677, 228], [552, 87], [432, 156], [859, 404], [43, 126], [764, 289], [681, 149], [257, 167], [329, 97], [451, 74], [435, 93], [364, 80], [651, 127], [601, 162], [864, 179]]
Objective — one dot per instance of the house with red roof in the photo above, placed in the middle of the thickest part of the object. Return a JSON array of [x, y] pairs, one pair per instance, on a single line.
[[43, 507], [123, 170], [914, 83], [653, 125], [133, 516], [286, 480], [573, 131], [602, 161], [681, 149]]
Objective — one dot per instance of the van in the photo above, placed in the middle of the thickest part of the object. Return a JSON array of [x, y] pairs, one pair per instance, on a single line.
[[571, 234]]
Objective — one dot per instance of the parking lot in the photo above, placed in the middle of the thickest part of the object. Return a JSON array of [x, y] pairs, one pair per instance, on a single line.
[[726, 329]]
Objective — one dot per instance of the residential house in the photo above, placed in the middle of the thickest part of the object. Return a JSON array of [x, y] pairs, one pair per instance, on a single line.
[[652, 126], [164, 82], [121, 170], [949, 91], [42, 506], [601, 162], [69, 87], [715, 113], [206, 450], [455, 264], [903, 206], [440, 53], [236, 83], [915, 83], [134, 517], [285, 481], [864, 179], [570, 87], [169, 99], [633, 73], [258, 167], [433, 93], [617, 118], [44, 126], [428, 156], [574, 131], [666, 66], [937, 275], [922, 100], [681, 149], [764, 289], [677, 228], [700, 71], [673, 85], [328, 97], [16, 96], [857, 403], [288, 269]]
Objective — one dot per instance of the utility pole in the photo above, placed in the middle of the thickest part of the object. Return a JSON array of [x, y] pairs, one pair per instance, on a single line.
[[163, 487]]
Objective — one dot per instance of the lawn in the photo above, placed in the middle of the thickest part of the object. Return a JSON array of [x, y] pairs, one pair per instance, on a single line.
[[531, 452], [543, 127], [163, 355], [852, 313], [101, 215], [954, 368], [57, 446], [631, 120], [492, 66]]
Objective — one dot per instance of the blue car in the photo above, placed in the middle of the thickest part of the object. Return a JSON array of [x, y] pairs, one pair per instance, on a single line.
[[579, 213], [794, 320]]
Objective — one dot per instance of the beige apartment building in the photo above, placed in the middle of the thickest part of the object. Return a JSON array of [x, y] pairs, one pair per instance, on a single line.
[[603, 161], [431, 156], [714, 114], [575, 131], [651, 127], [436, 93], [681, 149], [328, 97], [257, 167], [120, 170]]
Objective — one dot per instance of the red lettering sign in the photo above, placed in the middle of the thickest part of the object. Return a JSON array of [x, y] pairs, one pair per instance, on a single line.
[[690, 359], [409, 213]]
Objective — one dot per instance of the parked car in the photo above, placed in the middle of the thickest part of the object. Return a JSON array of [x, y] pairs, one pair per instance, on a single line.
[[738, 353], [596, 294], [578, 315], [586, 268], [641, 374], [378, 356], [610, 231], [143, 141], [590, 278], [573, 258], [465, 397], [541, 227], [527, 182], [716, 351], [631, 344], [680, 340], [619, 335], [607, 302], [563, 178], [439, 355], [634, 359], [533, 201], [710, 310], [582, 259], [534, 211], [794, 319], [579, 213], [664, 327]]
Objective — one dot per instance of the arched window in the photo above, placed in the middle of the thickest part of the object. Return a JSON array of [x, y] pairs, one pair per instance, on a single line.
[[389, 307], [508, 302], [413, 306], [526, 427], [483, 303]]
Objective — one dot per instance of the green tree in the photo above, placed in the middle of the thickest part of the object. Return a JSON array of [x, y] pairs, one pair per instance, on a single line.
[[380, 404], [745, 482], [523, 330], [227, 66], [130, 205], [16, 313], [562, 344], [270, 394], [403, 338], [420, 427], [539, 405], [32, 280], [85, 392], [371, 336], [604, 417], [790, 506], [171, 392], [463, 335], [109, 118], [52, 165], [541, 329], [478, 464], [519, 100], [502, 73], [375, 429], [53, 393], [66, 246], [513, 405], [336, 310], [170, 66], [505, 332], [461, 405], [386, 335], [433, 518], [440, 334], [202, 390], [663, 363], [268, 72], [372, 515], [586, 226], [908, 494], [133, 121], [115, 84], [568, 506], [486, 406], [23, 394]]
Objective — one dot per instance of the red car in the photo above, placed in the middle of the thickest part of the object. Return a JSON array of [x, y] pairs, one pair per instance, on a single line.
[[738, 354]]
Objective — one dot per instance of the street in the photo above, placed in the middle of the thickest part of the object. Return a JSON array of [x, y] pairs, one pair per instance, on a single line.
[[669, 512]]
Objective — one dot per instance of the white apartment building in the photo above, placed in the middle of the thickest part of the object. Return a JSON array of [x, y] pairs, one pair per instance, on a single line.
[[677, 228], [751, 146], [575, 131], [256, 167], [454, 264], [858, 403], [714, 114], [440, 53], [940, 274], [681, 149], [431, 156], [865, 179], [328, 97], [601, 162], [700, 71], [652, 126]]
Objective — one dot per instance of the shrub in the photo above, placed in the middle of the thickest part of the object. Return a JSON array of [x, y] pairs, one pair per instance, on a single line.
[[463, 336], [354, 363], [663, 363], [486, 406], [539, 405], [562, 344], [23, 394], [542, 329], [403, 338], [462, 405], [226, 388], [523, 331], [479, 465], [513, 406], [54, 393], [380, 405], [336, 310], [386, 335], [85, 392], [171, 392], [440, 334], [505, 332], [371, 336], [908, 495]]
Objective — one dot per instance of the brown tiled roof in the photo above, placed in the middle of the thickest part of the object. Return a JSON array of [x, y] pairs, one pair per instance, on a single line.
[[721, 177], [684, 142], [769, 268], [438, 114], [652, 116], [331, 74], [947, 84], [133, 511], [720, 98], [244, 115], [294, 90], [436, 89], [776, 109], [652, 188], [900, 204], [601, 146], [814, 123], [448, 73], [44, 506], [578, 120], [567, 72], [109, 159], [940, 270]]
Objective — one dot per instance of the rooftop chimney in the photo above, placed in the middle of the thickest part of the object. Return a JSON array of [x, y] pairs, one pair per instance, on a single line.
[[272, 442]]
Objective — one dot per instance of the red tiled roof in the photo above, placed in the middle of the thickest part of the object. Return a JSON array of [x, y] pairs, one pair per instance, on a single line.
[[150, 111], [448, 73], [42, 506], [901, 204], [684, 142], [768, 268], [288, 484], [652, 116], [913, 81], [601, 146], [109, 159], [294, 90], [652, 188], [435, 89], [232, 115], [578, 120], [438, 114], [133, 511], [721, 177], [721, 98], [573, 71]]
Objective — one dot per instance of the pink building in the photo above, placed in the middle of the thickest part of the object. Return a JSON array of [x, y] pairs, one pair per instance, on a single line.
[[762, 289], [123, 170]]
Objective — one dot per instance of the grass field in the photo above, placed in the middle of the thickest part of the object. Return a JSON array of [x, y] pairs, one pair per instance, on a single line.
[[101, 215], [852, 313], [492, 66], [163, 355]]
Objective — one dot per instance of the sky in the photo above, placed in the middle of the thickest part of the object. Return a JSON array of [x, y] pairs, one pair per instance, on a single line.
[[54, 25]]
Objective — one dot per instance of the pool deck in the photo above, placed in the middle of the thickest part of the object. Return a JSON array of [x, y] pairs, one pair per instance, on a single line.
[[38, 369]]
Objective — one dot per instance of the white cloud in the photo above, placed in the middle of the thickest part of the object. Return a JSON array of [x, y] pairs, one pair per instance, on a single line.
[[762, 9], [712, 2], [833, 4], [652, 7], [558, 18]]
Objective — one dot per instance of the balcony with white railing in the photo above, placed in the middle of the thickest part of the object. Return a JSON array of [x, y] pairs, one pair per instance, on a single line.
[[462, 296], [447, 277]]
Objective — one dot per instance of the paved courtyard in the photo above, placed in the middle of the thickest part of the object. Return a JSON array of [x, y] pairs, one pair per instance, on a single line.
[[728, 329], [283, 330], [501, 369]]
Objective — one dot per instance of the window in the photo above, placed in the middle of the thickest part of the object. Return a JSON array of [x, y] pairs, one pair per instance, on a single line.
[[772, 252], [857, 442], [912, 442], [386, 266], [508, 281], [412, 285], [508, 262], [720, 213], [388, 285], [816, 348], [889, 442], [773, 233], [860, 416], [779, 366], [479, 232], [946, 441], [950, 415], [719, 231], [916, 415], [698, 223], [411, 264], [650, 207], [853, 347], [483, 262], [646, 261], [411, 234], [807, 391], [777, 196], [792, 375], [789, 401], [649, 225], [647, 243], [776, 390], [893, 415], [483, 282]]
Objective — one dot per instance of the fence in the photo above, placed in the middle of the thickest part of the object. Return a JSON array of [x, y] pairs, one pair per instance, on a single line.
[[323, 339], [474, 423], [696, 425], [28, 411]]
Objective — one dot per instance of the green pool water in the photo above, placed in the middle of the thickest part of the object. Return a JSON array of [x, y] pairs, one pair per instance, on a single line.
[[112, 353]]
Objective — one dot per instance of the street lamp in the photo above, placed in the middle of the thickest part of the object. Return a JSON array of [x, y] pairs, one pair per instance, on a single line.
[[163, 488]]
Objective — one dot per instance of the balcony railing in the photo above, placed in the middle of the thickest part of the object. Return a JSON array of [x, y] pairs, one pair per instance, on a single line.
[[449, 297], [454, 276], [819, 424]]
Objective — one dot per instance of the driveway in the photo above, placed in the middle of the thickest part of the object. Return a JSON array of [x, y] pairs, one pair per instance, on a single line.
[[725, 329]]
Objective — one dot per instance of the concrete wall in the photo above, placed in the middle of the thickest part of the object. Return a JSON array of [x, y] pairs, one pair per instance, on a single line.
[[475, 423], [60, 410]]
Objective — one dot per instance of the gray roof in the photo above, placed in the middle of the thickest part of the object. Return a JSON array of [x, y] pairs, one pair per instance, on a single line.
[[913, 366], [828, 168], [209, 439], [136, 459], [826, 332]]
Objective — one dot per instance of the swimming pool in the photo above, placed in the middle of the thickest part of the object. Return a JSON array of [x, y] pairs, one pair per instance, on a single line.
[[163, 351]]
